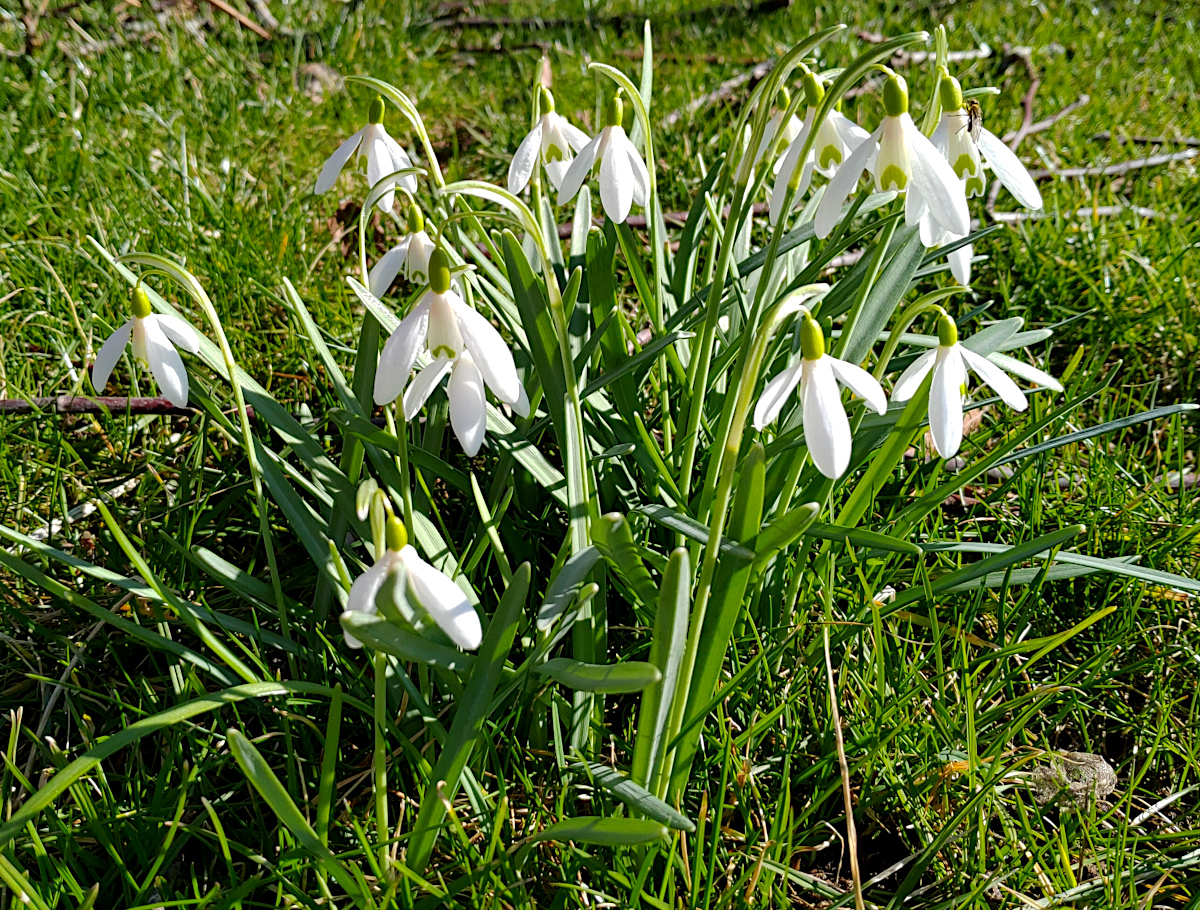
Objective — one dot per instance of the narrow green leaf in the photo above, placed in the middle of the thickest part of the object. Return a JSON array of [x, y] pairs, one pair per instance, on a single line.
[[636, 797], [385, 636], [627, 676], [612, 536], [784, 530], [860, 537], [691, 528], [605, 832], [561, 591]]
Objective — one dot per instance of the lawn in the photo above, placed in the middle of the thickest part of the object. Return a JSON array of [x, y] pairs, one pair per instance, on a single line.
[[980, 724]]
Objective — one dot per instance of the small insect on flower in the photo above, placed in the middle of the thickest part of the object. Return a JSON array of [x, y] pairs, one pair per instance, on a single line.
[[974, 124]]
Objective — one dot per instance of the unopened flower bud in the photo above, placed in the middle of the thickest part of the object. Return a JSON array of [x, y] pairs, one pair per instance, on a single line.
[[375, 114]]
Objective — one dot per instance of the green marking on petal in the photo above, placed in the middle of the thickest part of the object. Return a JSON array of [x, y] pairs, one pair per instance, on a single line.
[[965, 165], [443, 350], [554, 153], [830, 155], [893, 178], [975, 186]]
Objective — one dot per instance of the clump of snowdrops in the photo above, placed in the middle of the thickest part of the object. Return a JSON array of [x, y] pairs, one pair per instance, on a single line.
[[697, 423]]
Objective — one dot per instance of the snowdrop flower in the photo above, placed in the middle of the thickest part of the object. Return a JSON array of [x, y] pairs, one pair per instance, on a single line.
[[899, 158], [960, 137], [624, 179], [790, 130], [154, 341], [837, 136], [462, 343], [383, 153], [410, 256], [553, 142], [434, 595], [949, 362], [826, 428]]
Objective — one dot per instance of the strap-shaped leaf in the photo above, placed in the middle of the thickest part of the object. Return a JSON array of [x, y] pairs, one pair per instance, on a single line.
[[385, 636], [636, 797], [627, 676], [861, 537], [560, 593], [691, 528], [605, 832]]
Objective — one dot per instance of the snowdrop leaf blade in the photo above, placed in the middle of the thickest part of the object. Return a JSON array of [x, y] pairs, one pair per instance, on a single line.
[[332, 168], [376, 632], [997, 379], [904, 259], [468, 407], [626, 676], [400, 353], [110, 353], [1009, 170]]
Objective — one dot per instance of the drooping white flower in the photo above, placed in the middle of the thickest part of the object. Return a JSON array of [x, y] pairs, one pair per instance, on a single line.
[[949, 362], [383, 153], [410, 256], [837, 137], [826, 427], [155, 338], [899, 157], [553, 142], [789, 130], [432, 594], [624, 179], [462, 343]]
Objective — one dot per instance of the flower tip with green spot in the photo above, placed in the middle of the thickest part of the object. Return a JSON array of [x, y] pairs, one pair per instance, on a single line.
[[439, 271]]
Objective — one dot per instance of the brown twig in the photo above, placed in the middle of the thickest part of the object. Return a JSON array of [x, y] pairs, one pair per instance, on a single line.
[[1107, 136], [1116, 170], [722, 92], [1025, 55], [914, 58], [1045, 124], [240, 18], [74, 404], [619, 21]]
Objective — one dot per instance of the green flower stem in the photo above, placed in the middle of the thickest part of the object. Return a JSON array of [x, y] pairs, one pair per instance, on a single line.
[[379, 759], [907, 318]]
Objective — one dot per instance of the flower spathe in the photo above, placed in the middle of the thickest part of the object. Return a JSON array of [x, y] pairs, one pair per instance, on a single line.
[[837, 137], [383, 153], [424, 587], [899, 157], [949, 363], [826, 427], [410, 256], [155, 338], [623, 178], [552, 141], [461, 343]]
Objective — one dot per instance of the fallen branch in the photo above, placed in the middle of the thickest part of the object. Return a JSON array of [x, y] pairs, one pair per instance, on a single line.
[[74, 404], [1116, 170], [626, 19], [1025, 55], [1043, 125], [1108, 136], [1099, 211], [240, 18], [723, 91], [915, 58]]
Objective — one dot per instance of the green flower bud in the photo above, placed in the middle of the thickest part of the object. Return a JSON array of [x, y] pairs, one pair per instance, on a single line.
[[951, 92], [416, 220], [814, 89], [375, 114], [141, 303], [783, 99], [947, 331], [439, 271], [614, 111], [812, 339], [397, 534], [895, 95]]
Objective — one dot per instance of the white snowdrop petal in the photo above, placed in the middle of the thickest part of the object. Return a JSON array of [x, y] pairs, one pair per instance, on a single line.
[[910, 380], [576, 138], [850, 132], [443, 600], [400, 161], [489, 352], [521, 405], [826, 428], [1026, 371], [110, 353], [785, 169], [384, 272], [166, 364], [400, 353], [468, 408], [178, 331], [1009, 170], [997, 379], [829, 212], [422, 386], [861, 383], [774, 396], [525, 160], [363, 592], [557, 170], [379, 160], [960, 264], [939, 186], [332, 168], [578, 172], [945, 402], [616, 182], [641, 177]]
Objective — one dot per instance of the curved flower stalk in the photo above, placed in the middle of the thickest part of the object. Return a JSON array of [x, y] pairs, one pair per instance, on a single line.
[[624, 180], [463, 344], [789, 130], [155, 338], [553, 142], [949, 363], [383, 153], [837, 137], [826, 427], [899, 157], [961, 141], [401, 573], [410, 256]]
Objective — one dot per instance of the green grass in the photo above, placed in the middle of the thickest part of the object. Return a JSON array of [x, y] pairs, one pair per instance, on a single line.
[[205, 145]]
